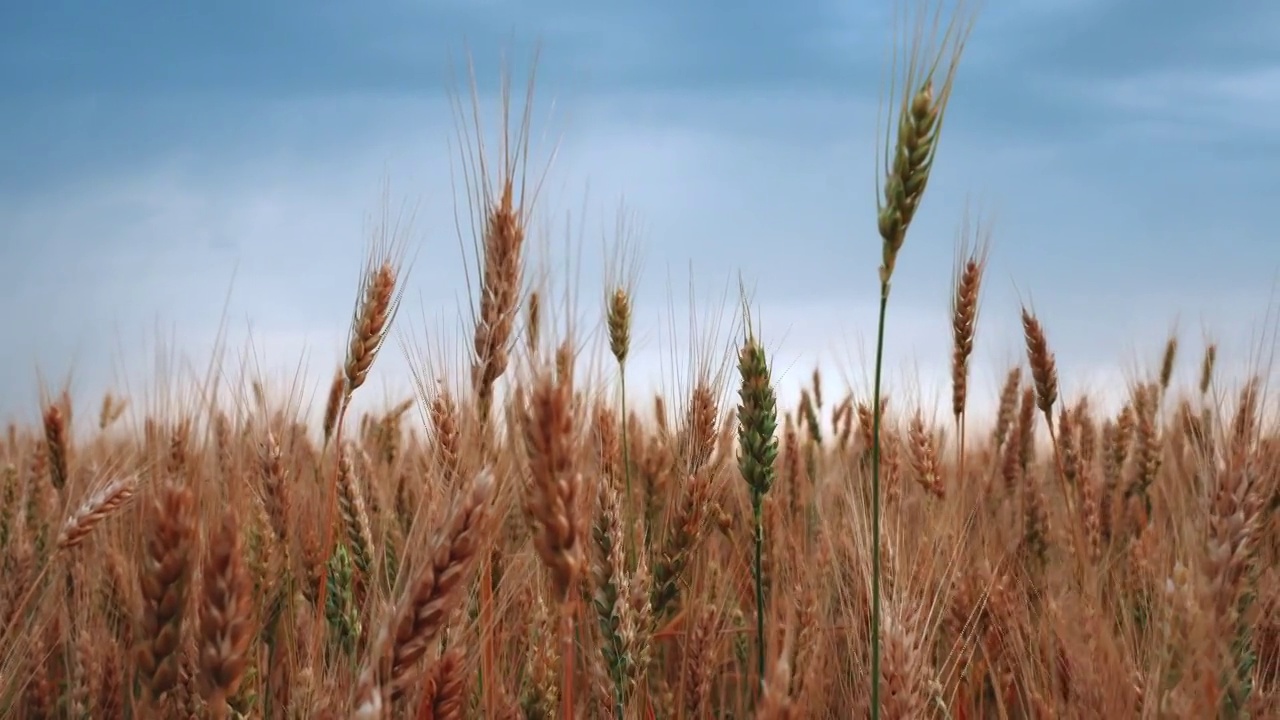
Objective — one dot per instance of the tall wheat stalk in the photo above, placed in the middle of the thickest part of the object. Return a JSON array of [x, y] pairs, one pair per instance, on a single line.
[[552, 503], [919, 124], [758, 446], [500, 197], [619, 300], [971, 263], [378, 300]]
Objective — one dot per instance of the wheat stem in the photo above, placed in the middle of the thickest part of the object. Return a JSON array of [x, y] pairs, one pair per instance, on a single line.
[[875, 506]]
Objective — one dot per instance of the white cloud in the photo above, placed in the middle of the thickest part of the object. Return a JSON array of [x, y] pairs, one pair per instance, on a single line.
[[1202, 103]]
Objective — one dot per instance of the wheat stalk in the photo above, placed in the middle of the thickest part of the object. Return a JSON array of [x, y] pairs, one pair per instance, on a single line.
[[758, 449], [906, 169], [967, 284]]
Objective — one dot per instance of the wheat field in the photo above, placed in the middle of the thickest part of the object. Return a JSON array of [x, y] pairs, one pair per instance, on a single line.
[[515, 540]]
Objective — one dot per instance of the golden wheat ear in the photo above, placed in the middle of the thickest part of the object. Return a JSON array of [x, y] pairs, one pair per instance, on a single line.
[[225, 617], [378, 304], [165, 575], [501, 204], [109, 499], [1044, 369], [392, 665], [971, 265]]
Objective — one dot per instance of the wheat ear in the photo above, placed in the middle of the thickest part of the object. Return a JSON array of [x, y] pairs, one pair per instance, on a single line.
[[758, 450], [420, 617], [225, 612], [165, 575], [104, 503]]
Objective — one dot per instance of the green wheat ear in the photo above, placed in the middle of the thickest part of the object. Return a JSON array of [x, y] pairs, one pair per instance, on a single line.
[[340, 610], [758, 450], [757, 418], [920, 115]]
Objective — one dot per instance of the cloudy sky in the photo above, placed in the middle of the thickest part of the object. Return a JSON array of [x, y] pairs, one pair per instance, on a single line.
[[164, 167]]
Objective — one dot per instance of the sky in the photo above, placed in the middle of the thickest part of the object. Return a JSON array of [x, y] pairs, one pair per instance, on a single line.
[[169, 173]]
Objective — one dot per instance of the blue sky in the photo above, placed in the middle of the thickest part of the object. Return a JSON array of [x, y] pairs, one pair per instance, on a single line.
[[161, 164]]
